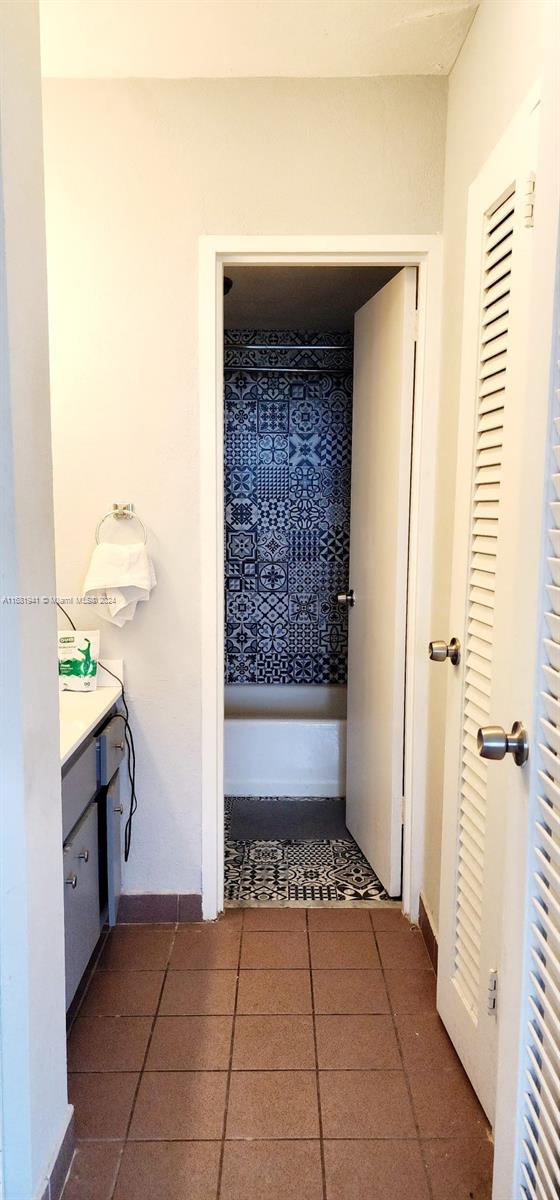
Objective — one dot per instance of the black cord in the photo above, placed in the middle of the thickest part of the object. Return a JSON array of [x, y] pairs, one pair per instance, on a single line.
[[131, 750], [66, 614]]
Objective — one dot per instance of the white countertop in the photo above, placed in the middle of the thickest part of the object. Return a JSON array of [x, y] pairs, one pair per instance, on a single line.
[[80, 712]]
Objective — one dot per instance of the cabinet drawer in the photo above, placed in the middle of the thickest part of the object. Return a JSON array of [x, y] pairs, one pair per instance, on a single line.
[[79, 785], [110, 749], [81, 899]]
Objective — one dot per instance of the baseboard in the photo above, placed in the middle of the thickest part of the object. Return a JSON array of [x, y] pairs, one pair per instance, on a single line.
[[425, 921], [161, 908]]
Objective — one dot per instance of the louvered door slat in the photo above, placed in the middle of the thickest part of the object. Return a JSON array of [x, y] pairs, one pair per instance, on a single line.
[[471, 874], [549, 1141], [532, 1187], [547, 895], [540, 1165], [467, 901], [491, 421], [495, 297], [494, 342], [481, 646], [479, 637], [538, 1049], [538, 1077], [537, 1149]]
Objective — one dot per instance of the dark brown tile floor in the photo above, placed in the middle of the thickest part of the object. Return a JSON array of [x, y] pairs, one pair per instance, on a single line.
[[275, 1055]]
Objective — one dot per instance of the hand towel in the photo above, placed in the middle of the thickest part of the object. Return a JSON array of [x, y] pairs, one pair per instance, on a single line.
[[119, 576]]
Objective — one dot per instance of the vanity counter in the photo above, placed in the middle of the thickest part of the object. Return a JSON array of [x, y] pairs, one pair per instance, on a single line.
[[80, 713]]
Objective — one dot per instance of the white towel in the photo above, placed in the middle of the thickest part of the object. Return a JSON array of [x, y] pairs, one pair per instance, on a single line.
[[119, 576]]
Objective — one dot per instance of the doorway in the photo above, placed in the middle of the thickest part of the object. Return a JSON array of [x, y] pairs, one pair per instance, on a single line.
[[290, 468], [218, 258]]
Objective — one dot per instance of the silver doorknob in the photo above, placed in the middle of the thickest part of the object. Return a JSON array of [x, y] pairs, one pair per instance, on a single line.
[[71, 881], [439, 651], [493, 742], [348, 598], [84, 855]]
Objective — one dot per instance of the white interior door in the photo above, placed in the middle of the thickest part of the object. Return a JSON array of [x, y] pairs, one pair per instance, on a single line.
[[527, 1127], [384, 332], [491, 611]]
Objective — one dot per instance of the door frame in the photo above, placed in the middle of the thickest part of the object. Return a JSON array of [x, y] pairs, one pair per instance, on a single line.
[[423, 251]]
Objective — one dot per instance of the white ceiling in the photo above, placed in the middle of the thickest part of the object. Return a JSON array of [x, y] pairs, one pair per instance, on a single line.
[[186, 39], [316, 298]]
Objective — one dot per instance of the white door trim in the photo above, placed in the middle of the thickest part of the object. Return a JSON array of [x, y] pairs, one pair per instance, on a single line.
[[425, 252]]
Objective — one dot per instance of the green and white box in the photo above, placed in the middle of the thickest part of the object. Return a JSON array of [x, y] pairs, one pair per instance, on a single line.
[[78, 656]]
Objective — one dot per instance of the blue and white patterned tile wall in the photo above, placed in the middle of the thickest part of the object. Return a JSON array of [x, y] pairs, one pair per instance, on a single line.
[[288, 440]]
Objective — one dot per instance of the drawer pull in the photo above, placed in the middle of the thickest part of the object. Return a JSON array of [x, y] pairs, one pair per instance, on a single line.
[[118, 809], [84, 855], [72, 881], [119, 746]]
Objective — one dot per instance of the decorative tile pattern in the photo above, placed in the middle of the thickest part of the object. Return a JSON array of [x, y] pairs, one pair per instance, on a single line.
[[288, 444], [297, 870]]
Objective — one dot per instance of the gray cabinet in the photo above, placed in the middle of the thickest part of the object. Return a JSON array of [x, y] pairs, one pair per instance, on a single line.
[[114, 857], [81, 898], [110, 753], [91, 825]]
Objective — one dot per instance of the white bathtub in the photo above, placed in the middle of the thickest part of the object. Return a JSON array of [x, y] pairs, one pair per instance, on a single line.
[[285, 740]]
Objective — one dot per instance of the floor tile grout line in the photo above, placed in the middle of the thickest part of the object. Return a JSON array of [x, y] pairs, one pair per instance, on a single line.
[[145, 1058], [252, 1070], [397, 1137], [317, 1086], [405, 1075], [230, 1065]]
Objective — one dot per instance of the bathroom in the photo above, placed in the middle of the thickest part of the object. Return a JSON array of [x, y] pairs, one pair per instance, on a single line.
[[288, 362]]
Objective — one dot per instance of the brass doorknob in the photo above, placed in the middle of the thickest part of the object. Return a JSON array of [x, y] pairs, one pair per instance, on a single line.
[[439, 651], [493, 742]]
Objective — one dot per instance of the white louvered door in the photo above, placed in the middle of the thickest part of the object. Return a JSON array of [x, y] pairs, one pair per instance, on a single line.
[[539, 1166], [476, 792]]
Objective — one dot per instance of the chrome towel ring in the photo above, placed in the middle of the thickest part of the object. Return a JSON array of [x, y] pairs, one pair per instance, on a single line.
[[121, 512]]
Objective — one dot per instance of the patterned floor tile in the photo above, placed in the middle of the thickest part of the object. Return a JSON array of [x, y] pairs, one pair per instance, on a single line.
[[311, 870]]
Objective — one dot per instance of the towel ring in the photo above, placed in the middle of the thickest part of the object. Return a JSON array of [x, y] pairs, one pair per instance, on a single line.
[[121, 512]]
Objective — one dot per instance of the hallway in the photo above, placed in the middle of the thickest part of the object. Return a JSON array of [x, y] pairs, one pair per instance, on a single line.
[[280, 1053]]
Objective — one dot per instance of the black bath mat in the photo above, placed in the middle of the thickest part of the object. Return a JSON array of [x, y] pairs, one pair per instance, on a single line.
[[267, 819]]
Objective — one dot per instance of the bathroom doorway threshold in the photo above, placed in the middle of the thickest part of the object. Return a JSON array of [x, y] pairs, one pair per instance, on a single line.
[[215, 253]]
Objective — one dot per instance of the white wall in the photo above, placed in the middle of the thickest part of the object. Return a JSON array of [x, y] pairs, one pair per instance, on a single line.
[[135, 172], [34, 1106], [500, 60]]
